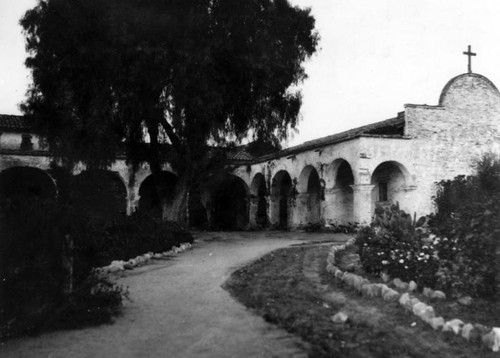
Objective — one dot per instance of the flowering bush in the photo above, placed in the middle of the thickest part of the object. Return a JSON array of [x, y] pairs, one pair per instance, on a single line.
[[382, 250], [457, 252]]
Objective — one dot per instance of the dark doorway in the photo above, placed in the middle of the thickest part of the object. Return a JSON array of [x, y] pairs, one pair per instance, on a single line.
[[281, 191], [230, 204], [149, 201], [99, 194], [25, 184], [313, 199], [259, 200]]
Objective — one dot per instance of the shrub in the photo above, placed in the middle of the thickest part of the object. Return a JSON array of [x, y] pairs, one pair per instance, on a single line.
[[461, 256], [395, 244], [32, 274], [468, 216], [101, 242]]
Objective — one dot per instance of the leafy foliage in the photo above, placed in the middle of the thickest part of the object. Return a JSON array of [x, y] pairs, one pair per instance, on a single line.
[[184, 72], [458, 252], [128, 237], [468, 220], [399, 223], [34, 279], [395, 244]]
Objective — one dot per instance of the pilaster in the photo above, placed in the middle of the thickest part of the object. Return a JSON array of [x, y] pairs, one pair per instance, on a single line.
[[362, 200]]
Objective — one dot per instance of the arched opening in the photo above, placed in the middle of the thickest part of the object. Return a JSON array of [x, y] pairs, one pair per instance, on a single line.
[[258, 204], [230, 204], [389, 183], [281, 193], [309, 200], [149, 201], [339, 208], [343, 193], [25, 184], [99, 194], [197, 212]]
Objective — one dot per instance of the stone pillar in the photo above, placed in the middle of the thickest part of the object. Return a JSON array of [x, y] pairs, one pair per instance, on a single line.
[[274, 204], [252, 213], [362, 203], [330, 207], [301, 212], [68, 264], [132, 199]]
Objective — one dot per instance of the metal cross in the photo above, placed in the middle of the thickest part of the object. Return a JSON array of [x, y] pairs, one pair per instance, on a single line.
[[469, 54]]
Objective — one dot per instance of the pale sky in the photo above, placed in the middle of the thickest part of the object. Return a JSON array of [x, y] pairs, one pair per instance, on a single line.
[[374, 56]]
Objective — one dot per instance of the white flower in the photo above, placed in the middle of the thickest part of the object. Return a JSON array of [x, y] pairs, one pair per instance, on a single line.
[[385, 262], [401, 261]]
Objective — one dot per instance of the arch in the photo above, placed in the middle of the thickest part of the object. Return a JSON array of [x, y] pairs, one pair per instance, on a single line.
[[402, 168], [340, 198], [198, 217], [390, 180], [149, 201], [309, 203], [258, 201], [26, 184], [304, 178], [99, 194], [230, 203], [281, 195], [331, 172]]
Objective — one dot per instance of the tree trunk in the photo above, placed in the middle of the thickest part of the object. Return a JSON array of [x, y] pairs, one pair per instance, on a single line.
[[177, 209]]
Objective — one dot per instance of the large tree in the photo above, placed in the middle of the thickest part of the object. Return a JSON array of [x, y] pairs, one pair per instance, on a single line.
[[189, 73]]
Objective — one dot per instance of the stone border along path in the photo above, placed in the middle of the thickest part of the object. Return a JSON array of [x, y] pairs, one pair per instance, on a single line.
[[179, 309], [490, 338], [120, 265]]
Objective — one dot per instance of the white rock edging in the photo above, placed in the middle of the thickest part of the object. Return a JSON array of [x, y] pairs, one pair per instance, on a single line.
[[119, 265], [490, 338]]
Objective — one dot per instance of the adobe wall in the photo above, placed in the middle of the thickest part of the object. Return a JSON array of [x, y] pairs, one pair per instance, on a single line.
[[340, 205], [449, 138], [440, 142]]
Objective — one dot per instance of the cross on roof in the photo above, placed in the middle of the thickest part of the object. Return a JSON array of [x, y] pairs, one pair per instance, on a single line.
[[469, 54]]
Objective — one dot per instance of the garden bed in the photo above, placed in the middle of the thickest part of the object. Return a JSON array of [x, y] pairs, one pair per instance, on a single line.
[[479, 310]]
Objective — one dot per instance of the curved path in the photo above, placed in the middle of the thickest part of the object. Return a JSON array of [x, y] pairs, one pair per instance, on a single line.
[[179, 309]]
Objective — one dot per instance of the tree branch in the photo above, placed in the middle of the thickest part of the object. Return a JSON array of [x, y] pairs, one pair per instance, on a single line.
[[174, 138]]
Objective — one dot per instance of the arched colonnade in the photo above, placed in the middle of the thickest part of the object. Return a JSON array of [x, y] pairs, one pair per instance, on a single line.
[[333, 193]]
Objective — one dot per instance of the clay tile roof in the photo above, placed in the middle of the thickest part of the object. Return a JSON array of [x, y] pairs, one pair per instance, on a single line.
[[389, 127], [13, 123], [240, 154]]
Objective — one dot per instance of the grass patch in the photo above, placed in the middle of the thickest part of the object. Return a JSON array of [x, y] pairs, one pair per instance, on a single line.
[[291, 288]]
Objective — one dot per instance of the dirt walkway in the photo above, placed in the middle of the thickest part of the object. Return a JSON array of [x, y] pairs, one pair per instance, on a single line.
[[179, 309]]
